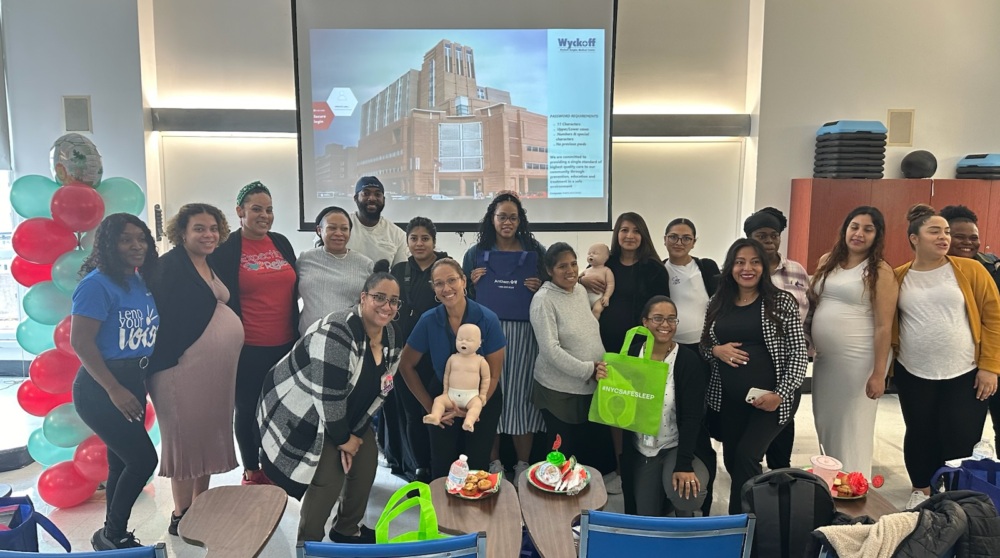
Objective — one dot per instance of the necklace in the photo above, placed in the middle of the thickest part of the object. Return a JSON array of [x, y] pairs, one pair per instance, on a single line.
[[748, 299], [339, 257]]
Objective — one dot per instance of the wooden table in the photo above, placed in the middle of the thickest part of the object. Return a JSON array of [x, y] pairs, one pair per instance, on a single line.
[[549, 517], [233, 521], [873, 505], [499, 516]]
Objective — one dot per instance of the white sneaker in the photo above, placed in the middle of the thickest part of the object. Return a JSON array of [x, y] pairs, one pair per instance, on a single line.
[[916, 499], [520, 468], [496, 466], [613, 483]]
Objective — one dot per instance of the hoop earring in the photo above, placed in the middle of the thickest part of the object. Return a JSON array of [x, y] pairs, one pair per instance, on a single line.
[[396, 317], [465, 292], [436, 299]]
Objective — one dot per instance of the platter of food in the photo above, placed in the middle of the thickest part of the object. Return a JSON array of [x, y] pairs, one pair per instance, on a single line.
[[852, 486], [478, 485], [557, 474]]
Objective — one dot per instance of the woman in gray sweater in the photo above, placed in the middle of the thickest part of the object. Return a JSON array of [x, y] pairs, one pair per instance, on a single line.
[[331, 276], [569, 361]]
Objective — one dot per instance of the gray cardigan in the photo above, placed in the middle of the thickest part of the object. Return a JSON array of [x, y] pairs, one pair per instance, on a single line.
[[328, 283], [569, 339]]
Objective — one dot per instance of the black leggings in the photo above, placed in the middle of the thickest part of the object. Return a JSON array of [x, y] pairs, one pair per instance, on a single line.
[[747, 432], [131, 455], [943, 419], [448, 442], [254, 364], [589, 441]]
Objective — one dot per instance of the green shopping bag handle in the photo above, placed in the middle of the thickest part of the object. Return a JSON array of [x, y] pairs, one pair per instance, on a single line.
[[427, 528], [630, 335]]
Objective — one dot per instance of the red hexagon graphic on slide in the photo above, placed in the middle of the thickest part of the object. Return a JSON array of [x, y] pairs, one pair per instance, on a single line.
[[322, 115]]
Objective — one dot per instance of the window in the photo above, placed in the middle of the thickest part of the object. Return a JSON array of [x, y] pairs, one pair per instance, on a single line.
[[462, 105], [10, 291], [460, 147], [458, 49], [430, 93], [481, 93], [468, 62], [447, 57]]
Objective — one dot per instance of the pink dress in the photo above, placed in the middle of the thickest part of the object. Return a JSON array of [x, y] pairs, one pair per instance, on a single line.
[[194, 400]]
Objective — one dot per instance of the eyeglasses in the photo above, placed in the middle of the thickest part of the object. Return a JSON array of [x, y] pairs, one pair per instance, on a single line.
[[685, 240], [761, 237], [451, 282], [658, 320], [503, 218], [381, 299]]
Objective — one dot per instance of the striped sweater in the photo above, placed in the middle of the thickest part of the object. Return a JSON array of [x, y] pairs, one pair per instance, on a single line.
[[304, 397]]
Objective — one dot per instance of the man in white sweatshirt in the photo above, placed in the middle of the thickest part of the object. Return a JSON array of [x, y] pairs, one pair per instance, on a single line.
[[373, 235]]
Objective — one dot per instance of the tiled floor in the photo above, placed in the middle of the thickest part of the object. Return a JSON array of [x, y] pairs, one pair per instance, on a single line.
[[152, 511]]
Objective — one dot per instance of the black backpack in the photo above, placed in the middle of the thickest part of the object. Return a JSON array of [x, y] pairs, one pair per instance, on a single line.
[[788, 505]]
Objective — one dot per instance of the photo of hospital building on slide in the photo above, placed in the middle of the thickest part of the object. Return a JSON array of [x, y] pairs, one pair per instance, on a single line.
[[436, 133]]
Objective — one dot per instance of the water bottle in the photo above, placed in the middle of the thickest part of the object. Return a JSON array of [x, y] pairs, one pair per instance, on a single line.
[[458, 472], [983, 450]]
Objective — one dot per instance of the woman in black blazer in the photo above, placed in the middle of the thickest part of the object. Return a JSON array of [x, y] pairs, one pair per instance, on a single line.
[[192, 378], [258, 268], [675, 467]]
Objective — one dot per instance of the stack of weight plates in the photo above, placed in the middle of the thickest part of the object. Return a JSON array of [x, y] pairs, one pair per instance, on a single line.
[[850, 149], [981, 166]]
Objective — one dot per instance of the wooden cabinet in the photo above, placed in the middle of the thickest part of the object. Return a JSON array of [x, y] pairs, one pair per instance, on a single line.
[[819, 206]]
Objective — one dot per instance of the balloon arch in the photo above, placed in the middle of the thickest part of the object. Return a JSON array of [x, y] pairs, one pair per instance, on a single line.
[[51, 246]]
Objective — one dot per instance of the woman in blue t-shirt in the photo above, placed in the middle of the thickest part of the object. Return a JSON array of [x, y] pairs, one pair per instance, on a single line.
[[434, 335], [113, 330]]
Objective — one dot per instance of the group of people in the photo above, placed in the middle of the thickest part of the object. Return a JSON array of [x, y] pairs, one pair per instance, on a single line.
[[304, 351]]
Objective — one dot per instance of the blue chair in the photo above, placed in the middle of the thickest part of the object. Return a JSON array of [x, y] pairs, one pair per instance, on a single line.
[[613, 534], [462, 546], [158, 551]]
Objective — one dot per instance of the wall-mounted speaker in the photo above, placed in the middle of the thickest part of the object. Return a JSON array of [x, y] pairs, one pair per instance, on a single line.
[[900, 124], [76, 114]]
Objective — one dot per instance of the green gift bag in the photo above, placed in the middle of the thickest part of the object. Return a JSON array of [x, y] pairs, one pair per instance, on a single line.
[[427, 528], [631, 397]]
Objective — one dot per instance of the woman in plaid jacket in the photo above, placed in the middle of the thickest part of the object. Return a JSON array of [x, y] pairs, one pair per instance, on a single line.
[[754, 342], [316, 407]]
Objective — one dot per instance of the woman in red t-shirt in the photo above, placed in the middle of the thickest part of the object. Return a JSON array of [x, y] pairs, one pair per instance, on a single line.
[[258, 267]]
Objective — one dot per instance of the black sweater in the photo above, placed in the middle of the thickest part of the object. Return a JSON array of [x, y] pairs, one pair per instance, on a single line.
[[226, 263], [186, 305], [415, 291], [690, 374]]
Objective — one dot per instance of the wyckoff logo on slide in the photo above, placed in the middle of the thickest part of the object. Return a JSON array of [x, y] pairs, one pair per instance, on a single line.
[[587, 44]]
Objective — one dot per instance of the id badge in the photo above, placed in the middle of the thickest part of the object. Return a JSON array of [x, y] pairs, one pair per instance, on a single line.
[[386, 383], [649, 441]]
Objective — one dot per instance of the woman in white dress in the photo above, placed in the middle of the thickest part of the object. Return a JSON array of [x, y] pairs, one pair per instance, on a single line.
[[854, 294]]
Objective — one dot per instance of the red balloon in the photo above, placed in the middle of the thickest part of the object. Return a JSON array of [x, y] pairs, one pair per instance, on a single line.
[[61, 336], [63, 487], [54, 371], [41, 240], [77, 207], [150, 416], [37, 402], [28, 273], [91, 459]]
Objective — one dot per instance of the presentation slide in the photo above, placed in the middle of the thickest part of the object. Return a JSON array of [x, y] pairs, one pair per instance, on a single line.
[[450, 114]]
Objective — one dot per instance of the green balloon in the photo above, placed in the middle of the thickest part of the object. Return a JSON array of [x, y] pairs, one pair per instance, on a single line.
[[66, 270], [154, 433], [46, 304], [34, 337], [31, 195], [44, 452], [121, 195], [63, 427]]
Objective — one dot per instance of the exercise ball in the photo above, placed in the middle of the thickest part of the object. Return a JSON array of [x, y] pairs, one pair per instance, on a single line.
[[918, 164]]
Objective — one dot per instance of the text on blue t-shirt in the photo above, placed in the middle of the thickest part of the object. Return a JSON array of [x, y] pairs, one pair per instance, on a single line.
[[129, 319]]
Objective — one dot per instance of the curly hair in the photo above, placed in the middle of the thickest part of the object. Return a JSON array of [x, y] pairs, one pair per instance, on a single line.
[[487, 237], [105, 256], [724, 300], [958, 214], [838, 255], [178, 223]]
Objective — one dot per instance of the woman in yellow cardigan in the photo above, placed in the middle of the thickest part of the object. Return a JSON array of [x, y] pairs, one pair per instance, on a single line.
[[947, 341]]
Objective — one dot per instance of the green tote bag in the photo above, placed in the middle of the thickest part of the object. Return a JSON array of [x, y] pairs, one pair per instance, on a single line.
[[427, 527], [631, 397]]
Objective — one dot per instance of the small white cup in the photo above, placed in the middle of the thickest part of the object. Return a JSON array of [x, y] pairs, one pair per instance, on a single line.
[[826, 468]]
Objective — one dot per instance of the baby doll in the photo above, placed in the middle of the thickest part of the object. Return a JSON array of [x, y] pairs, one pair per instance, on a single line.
[[466, 379], [597, 256]]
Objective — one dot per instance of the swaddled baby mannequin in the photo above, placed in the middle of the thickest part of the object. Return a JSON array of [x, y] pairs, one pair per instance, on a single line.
[[466, 380]]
